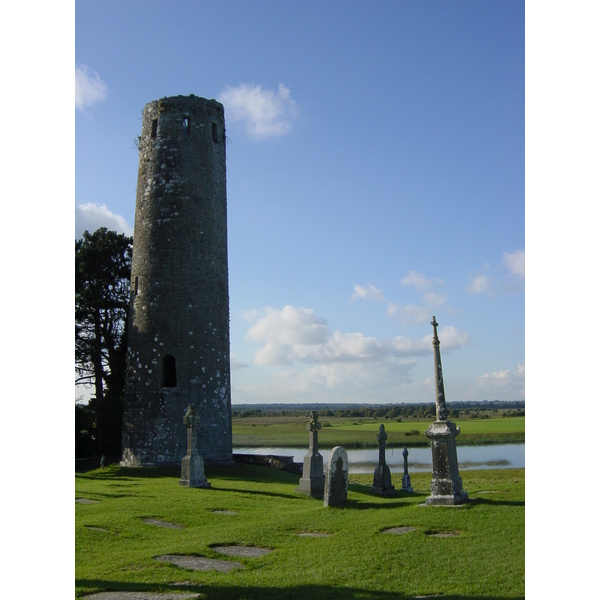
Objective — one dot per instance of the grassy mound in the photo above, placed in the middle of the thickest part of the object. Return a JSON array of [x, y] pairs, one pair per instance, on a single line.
[[116, 547]]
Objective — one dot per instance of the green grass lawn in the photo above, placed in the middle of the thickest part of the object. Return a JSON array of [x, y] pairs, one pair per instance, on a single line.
[[362, 433], [115, 549]]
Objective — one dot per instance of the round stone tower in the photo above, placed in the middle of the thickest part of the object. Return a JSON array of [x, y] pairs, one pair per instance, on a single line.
[[178, 330]]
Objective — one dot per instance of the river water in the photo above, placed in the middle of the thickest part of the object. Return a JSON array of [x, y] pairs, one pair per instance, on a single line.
[[493, 456]]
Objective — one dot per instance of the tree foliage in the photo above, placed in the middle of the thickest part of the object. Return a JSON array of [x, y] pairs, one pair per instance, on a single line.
[[102, 275]]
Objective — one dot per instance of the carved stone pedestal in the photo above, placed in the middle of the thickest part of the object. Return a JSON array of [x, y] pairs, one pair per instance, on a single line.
[[446, 483], [192, 472], [312, 482]]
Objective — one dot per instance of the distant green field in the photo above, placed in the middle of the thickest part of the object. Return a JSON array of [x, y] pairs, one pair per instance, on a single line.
[[361, 433], [115, 549]]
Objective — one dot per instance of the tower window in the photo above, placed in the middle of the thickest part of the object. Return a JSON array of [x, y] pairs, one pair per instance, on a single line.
[[136, 285], [154, 128], [168, 376], [215, 133], [186, 124]]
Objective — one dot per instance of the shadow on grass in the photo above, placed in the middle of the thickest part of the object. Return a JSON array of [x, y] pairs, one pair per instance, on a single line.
[[130, 473], [365, 489], [255, 492], [296, 592], [476, 501]]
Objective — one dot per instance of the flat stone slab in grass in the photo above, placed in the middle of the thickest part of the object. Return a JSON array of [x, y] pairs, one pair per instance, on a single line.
[[399, 530], [94, 528], [200, 563], [313, 534], [163, 524], [143, 596], [225, 512], [86, 501], [442, 534], [247, 551]]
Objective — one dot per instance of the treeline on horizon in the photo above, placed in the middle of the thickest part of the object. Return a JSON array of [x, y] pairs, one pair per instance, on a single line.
[[382, 411]]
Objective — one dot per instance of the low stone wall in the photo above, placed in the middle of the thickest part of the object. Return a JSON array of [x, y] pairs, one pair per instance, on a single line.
[[285, 463]]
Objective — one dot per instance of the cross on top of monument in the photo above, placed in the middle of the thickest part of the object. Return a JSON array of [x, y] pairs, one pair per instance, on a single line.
[[313, 424], [190, 419], [382, 435]]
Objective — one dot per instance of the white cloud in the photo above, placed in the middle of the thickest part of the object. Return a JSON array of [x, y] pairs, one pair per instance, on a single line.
[[410, 314], [413, 313], [480, 285], [89, 88], [92, 216], [515, 262], [265, 113], [235, 364], [509, 275], [297, 335], [419, 281], [289, 326], [367, 292], [502, 385]]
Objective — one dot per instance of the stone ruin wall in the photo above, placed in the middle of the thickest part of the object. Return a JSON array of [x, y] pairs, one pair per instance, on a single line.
[[178, 337]]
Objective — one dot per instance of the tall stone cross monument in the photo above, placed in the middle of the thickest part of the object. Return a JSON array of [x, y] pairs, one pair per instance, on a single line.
[[312, 482], [192, 464], [446, 484], [382, 479]]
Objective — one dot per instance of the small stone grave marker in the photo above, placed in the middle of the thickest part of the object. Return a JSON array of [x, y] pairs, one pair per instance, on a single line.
[[399, 530], [442, 534], [86, 501], [247, 551], [200, 563], [316, 534], [159, 523], [224, 512], [336, 477]]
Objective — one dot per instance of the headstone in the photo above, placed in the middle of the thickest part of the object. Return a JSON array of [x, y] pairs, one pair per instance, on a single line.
[[406, 487], [192, 464], [446, 483], [313, 481], [336, 477], [382, 479]]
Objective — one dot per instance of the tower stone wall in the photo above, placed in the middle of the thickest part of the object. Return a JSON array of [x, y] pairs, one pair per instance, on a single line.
[[178, 330]]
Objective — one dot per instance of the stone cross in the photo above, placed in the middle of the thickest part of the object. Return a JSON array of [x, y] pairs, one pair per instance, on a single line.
[[381, 438], [192, 464], [312, 482], [313, 426], [440, 397], [382, 479], [406, 487], [336, 477]]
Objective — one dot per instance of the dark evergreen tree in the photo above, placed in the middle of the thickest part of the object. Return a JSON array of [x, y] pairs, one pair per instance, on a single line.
[[102, 275]]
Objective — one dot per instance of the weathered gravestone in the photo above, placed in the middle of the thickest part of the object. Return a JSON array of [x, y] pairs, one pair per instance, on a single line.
[[192, 464], [382, 479], [406, 487], [336, 477], [446, 483], [312, 481]]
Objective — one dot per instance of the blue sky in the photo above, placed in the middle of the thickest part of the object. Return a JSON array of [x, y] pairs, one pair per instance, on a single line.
[[376, 177]]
